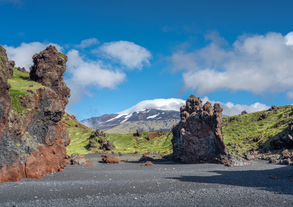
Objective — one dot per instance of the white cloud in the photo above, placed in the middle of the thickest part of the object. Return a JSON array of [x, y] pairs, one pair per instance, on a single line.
[[259, 63], [231, 109], [161, 104], [22, 55], [127, 53], [289, 39], [87, 73], [174, 104], [88, 43]]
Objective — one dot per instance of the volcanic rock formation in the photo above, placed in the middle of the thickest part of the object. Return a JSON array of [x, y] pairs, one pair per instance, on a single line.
[[95, 140], [33, 138], [197, 138]]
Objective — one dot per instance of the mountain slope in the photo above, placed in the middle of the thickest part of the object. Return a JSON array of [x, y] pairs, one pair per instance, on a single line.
[[146, 120]]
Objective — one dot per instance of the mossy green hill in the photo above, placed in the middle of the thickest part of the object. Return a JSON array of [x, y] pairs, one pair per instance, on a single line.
[[241, 133], [80, 136]]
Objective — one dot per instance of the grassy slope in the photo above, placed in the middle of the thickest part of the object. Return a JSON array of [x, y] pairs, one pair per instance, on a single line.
[[78, 133], [238, 130], [20, 83], [125, 143], [241, 129]]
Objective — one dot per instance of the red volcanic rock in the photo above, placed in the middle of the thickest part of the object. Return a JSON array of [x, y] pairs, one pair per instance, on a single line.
[[197, 138], [285, 153], [110, 159], [81, 160], [273, 178], [145, 155], [147, 163], [33, 143]]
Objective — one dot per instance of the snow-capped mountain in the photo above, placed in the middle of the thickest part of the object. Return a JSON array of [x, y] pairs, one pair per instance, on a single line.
[[109, 121], [147, 115]]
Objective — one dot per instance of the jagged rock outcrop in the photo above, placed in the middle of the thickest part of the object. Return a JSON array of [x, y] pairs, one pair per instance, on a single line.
[[197, 138], [96, 142], [33, 138]]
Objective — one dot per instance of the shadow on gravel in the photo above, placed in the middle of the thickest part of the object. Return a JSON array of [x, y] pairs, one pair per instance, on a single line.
[[251, 178]]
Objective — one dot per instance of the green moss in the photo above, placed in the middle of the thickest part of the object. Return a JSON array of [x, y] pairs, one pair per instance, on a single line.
[[61, 55], [15, 95], [241, 129], [1, 49], [21, 82]]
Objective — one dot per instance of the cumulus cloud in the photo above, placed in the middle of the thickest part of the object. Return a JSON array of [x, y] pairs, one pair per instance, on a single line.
[[22, 55], [174, 104], [257, 63], [88, 43], [87, 73], [127, 53], [231, 109]]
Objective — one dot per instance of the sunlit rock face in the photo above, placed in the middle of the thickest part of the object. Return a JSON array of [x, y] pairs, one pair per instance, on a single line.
[[197, 138], [33, 138]]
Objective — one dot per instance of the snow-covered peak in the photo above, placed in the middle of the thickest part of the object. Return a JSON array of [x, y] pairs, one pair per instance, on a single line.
[[171, 104]]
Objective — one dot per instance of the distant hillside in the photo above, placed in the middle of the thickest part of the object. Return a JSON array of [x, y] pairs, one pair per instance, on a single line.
[[241, 133], [146, 120], [125, 143]]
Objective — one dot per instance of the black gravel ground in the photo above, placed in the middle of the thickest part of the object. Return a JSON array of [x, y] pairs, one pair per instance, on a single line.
[[164, 184]]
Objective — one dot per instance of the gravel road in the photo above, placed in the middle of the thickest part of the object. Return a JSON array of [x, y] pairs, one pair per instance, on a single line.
[[164, 184]]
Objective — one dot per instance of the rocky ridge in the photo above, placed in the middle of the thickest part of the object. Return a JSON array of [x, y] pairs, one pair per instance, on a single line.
[[33, 138]]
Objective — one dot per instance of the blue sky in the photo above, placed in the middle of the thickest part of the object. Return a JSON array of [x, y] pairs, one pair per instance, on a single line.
[[124, 52]]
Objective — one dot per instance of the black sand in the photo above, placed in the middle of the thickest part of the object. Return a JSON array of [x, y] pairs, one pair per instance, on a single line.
[[164, 184]]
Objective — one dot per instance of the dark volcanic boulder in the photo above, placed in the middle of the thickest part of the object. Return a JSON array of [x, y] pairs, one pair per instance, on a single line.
[[5, 97], [48, 69], [284, 141], [197, 138], [33, 139]]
